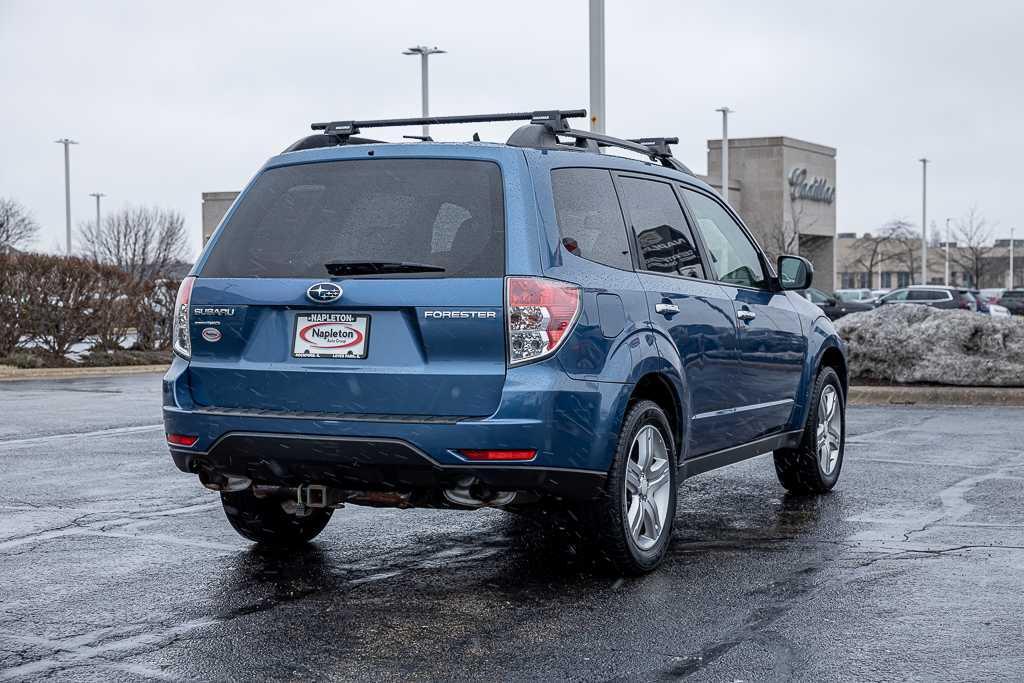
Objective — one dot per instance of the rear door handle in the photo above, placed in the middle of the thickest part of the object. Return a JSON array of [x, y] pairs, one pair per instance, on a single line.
[[666, 309], [745, 315]]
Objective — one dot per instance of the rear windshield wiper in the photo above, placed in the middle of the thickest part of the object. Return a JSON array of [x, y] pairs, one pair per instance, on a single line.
[[378, 267]]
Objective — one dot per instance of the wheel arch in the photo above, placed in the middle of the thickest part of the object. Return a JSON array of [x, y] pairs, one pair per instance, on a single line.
[[654, 386], [830, 352]]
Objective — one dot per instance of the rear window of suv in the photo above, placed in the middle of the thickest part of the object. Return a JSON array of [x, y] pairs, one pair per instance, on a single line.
[[447, 213]]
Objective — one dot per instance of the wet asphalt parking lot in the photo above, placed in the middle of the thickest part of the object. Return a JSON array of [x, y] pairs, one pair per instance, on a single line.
[[115, 566]]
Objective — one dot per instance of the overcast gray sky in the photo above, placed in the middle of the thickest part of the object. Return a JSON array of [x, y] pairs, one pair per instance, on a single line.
[[171, 99]]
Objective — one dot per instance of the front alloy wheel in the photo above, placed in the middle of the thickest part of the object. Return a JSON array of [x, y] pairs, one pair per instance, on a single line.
[[814, 465], [829, 432]]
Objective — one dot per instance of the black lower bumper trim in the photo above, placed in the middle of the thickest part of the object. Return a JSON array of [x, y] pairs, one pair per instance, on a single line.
[[372, 465]]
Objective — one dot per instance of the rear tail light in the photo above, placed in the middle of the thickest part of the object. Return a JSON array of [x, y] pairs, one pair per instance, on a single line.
[[498, 454], [541, 312], [180, 333], [186, 440]]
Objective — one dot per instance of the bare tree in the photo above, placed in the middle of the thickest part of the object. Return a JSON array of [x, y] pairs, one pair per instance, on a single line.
[[905, 243], [784, 237], [973, 235], [145, 242], [17, 227], [869, 253]]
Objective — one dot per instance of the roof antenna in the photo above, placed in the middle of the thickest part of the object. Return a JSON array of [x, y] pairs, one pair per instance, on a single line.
[[421, 138], [476, 137]]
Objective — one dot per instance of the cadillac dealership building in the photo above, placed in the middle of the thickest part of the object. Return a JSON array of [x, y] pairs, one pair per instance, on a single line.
[[783, 188]]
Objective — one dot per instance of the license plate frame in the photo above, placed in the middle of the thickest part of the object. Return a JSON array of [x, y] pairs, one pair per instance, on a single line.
[[331, 324]]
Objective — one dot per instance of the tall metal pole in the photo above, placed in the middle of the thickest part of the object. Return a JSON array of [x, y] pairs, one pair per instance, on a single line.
[[597, 112], [1011, 258], [725, 151], [947, 252], [424, 52], [425, 88], [67, 188], [97, 195], [924, 221]]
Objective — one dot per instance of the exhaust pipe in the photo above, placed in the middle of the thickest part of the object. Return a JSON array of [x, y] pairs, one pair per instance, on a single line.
[[223, 482], [471, 493]]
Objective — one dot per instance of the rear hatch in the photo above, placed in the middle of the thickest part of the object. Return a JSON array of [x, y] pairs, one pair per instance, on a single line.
[[416, 248]]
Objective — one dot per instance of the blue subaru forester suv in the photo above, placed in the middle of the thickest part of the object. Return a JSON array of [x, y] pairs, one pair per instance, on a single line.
[[529, 325]]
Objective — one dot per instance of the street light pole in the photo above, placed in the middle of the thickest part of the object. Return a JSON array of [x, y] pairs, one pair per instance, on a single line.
[[597, 66], [725, 151], [424, 52], [97, 195], [67, 142], [924, 221], [1011, 258], [947, 252]]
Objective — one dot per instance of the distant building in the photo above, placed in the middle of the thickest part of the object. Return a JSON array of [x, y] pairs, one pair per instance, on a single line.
[[215, 205], [898, 264], [785, 191]]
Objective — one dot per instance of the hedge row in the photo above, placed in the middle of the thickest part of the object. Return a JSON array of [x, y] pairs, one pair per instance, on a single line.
[[50, 303]]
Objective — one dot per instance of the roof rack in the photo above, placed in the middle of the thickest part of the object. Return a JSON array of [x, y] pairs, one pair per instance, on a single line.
[[542, 132], [551, 117]]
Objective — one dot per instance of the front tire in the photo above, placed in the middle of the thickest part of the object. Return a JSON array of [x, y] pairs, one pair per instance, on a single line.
[[814, 465], [632, 522], [264, 521]]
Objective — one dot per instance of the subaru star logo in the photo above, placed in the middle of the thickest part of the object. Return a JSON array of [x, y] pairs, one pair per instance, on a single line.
[[324, 292]]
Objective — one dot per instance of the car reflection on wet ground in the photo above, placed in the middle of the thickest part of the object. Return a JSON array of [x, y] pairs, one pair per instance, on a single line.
[[113, 565]]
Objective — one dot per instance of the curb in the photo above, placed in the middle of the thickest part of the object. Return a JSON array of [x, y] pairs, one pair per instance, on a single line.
[[936, 395], [9, 374]]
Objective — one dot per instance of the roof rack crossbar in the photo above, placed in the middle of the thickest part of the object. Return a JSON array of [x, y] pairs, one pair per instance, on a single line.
[[554, 118], [544, 126]]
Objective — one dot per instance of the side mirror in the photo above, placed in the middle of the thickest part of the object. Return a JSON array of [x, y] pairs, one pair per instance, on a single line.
[[795, 272], [831, 302]]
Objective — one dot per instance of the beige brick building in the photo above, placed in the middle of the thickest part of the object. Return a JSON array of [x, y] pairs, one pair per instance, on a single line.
[[785, 191], [864, 261]]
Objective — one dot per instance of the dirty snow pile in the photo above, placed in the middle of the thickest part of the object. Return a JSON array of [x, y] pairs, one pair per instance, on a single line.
[[910, 343]]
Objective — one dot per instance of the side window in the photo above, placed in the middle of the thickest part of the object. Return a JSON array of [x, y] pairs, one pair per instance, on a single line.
[[589, 217], [732, 252], [665, 241], [925, 295], [898, 295]]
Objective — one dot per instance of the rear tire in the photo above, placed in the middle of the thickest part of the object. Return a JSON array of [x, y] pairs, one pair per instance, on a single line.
[[264, 521], [632, 522], [814, 465]]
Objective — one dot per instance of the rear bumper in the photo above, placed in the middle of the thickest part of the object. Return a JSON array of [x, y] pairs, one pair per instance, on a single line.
[[371, 464], [571, 424]]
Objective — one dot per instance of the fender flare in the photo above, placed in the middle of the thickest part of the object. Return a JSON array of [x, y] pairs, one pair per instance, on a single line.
[[659, 357], [821, 338]]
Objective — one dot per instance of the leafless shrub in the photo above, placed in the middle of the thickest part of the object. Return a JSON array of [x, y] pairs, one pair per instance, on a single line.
[[152, 305], [112, 308], [11, 304], [59, 298]]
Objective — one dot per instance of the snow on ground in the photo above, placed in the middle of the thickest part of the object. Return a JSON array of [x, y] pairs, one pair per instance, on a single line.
[[909, 343]]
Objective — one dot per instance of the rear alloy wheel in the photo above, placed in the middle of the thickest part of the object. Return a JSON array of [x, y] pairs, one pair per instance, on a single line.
[[814, 465], [632, 522], [264, 521], [646, 493]]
